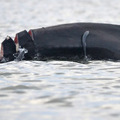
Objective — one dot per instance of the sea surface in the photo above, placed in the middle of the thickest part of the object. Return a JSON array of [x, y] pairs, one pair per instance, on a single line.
[[58, 90]]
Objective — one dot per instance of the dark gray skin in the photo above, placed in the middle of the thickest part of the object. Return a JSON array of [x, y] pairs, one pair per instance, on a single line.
[[72, 42], [65, 41]]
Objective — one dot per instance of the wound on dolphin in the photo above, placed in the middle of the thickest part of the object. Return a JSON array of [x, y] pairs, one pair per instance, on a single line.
[[71, 42]]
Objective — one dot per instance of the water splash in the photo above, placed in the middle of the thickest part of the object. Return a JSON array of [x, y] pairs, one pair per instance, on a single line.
[[20, 55], [84, 38]]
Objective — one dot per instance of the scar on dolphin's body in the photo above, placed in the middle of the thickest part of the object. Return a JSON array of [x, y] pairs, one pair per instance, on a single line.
[[71, 42]]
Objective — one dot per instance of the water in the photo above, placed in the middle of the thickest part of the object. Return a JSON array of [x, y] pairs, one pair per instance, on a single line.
[[58, 90]]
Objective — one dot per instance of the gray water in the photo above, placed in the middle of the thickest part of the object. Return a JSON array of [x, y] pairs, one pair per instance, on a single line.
[[58, 90]]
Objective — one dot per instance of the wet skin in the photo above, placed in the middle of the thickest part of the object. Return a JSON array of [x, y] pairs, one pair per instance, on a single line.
[[72, 42]]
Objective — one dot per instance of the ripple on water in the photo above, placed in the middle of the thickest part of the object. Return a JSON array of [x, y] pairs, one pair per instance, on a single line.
[[59, 84], [19, 87]]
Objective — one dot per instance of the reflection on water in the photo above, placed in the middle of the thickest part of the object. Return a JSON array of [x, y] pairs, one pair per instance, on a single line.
[[56, 90], [60, 89]]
